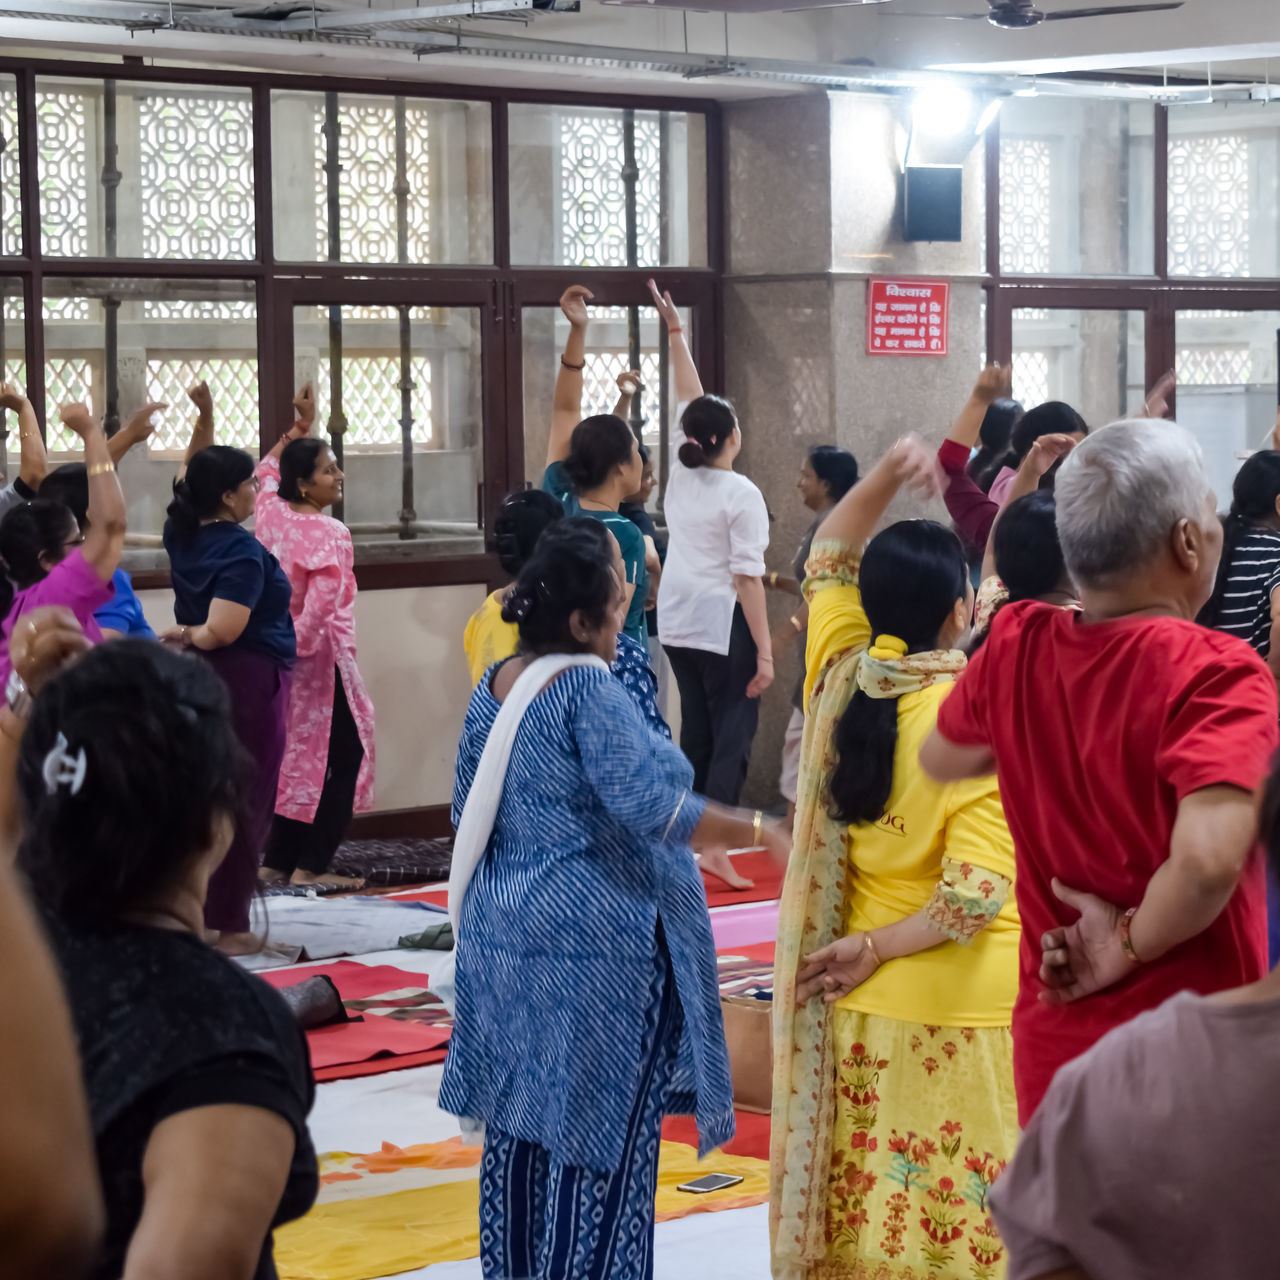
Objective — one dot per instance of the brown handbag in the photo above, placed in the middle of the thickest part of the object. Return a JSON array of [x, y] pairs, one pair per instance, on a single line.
[[748, 1031]]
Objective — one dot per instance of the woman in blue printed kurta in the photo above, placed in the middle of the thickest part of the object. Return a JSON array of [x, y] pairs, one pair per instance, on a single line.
[[587, 1003]]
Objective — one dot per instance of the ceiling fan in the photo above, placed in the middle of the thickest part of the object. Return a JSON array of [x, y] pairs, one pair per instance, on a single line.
[[1014, 15]]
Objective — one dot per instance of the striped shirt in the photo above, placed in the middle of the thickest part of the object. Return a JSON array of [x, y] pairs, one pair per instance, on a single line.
[[1252, 575]]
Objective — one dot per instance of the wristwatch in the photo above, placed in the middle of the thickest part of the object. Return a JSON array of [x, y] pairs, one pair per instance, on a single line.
[[16, 696]]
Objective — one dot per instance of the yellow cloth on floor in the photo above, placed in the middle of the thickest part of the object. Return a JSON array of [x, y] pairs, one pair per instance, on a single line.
[[365, 1234], [925, 1121]]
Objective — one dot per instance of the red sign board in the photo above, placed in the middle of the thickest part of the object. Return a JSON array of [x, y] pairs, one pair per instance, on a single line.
[[907, 317]]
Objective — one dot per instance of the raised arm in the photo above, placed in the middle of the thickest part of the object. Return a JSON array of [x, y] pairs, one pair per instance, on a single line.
[[687, 383], [104, 542], [33, 463], [629, 386], [304, 407], [994, 382], [853, 519], [1040, 459], [139, 428], [202, 430], [566, 408]]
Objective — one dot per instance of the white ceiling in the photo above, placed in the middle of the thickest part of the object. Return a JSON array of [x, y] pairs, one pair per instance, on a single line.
[[1235, 36]]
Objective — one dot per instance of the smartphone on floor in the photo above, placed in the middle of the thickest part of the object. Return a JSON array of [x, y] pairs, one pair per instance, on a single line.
[[711, 1182]]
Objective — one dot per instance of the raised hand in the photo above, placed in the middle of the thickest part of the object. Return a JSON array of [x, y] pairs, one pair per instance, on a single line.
[[833, 971], [11, 398], [143, 423], [78, 420], [665, 307], [201, 397], [43, 642], [573, 302], [995, 382], [629, 383], [1046, 451], [304, 405], [915, 466], [1084, 957], [1156, 405]]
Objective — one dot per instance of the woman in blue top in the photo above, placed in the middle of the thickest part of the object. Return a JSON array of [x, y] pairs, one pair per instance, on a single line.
[[587, 1001], [593, 466], [231, 602]]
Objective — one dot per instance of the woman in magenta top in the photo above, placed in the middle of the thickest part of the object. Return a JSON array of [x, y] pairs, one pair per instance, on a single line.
[[45, 556], [327, 773]]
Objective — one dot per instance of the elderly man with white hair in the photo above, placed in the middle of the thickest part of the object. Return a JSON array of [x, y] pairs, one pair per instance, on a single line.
[[1129, 742]]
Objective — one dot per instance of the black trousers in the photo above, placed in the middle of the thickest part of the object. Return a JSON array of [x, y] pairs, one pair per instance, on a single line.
[[717, 719], [310, 846]]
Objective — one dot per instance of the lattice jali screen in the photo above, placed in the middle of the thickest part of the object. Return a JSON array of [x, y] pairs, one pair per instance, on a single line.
[[1031, 377], [1215, 366], [1209, 205], [68, 379], [600, 383], [366, 184], [233, 381], [1025, 205], [371, 400], [189, 309], [197, 176], [11, 216], [64, 126], [592, 191]]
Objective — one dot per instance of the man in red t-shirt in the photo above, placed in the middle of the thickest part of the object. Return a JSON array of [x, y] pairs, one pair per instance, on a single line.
[[1129, 742]]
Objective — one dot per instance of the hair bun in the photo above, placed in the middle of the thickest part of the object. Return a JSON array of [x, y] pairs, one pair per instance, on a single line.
[[517, 606], [692, 454]]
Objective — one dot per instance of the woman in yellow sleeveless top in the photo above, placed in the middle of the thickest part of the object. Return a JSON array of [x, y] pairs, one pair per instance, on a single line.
[[898, 936]]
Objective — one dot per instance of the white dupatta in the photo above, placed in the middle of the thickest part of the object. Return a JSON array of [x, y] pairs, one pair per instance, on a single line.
[[478, 814]]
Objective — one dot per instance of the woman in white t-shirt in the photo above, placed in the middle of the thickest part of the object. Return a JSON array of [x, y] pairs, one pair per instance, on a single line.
[[712, 619]]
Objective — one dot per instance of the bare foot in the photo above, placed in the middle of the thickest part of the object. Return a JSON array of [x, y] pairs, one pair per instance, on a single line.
[[329, 880], [720, 865], [269, 875], [238, 944]]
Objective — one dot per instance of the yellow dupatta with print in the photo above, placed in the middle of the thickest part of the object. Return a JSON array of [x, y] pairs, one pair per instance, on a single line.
[[812, 913]]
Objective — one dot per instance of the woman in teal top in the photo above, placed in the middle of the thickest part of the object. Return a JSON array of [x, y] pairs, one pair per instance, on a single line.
[[594, 465]]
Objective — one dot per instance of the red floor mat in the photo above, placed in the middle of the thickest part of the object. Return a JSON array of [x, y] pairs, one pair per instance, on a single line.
[[751, 1138], [400, 1017], [758, 865]]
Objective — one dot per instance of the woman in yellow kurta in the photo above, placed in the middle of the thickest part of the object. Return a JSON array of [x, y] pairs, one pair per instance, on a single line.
[[898, 937]]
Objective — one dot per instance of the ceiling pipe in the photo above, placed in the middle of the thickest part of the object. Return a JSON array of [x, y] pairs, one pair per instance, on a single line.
[[141, 17]]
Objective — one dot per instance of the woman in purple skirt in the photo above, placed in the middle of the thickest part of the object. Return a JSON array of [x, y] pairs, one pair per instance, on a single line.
[[231, 602]]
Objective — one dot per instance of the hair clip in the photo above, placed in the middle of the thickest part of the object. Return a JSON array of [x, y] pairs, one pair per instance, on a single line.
[[62, 769]]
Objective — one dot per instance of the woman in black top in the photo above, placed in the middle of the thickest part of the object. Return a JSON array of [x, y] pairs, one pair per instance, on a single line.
[[197, 1076]]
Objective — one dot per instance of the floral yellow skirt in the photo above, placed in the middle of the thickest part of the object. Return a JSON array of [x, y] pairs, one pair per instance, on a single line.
[[926, 1120]]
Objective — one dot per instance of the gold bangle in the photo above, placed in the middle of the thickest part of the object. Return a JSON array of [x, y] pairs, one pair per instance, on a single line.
[[757, 826], [871, 947], [773, 578], [101, 469], [795, 622]]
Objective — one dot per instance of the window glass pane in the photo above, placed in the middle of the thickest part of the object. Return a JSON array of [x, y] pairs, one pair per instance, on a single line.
[[569, 187], [381, 179], [145, 171], [1223, 187], [607, 354], [165, 335], [1093, 360], [1076, 187], [1227, 386], [404, 382]]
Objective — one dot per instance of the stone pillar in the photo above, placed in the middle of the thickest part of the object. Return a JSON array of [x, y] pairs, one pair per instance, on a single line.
[[813, 208]]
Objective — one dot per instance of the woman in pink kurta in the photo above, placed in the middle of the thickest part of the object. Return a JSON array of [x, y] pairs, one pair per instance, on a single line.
[[327, 773]]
